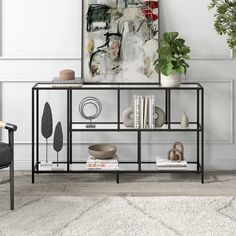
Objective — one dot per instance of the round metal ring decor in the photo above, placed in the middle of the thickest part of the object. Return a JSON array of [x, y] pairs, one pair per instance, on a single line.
[[95, 105]]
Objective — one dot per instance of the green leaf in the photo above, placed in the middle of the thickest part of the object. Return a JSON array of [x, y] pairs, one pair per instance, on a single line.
[[185, 50], [181, 69], [180, 42], [158, 67], [170, 36], [167, 68]]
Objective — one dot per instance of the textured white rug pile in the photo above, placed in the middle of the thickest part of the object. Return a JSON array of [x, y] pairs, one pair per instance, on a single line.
[[120, 216]]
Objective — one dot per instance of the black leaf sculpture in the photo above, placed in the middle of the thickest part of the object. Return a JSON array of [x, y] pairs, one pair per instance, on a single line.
[[58, 139], [46, 125]]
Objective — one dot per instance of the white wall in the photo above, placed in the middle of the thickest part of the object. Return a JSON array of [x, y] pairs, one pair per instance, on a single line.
[[41, 37]]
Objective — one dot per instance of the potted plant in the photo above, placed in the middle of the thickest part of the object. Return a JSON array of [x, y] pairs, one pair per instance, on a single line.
[[171, 63], [225, 19]]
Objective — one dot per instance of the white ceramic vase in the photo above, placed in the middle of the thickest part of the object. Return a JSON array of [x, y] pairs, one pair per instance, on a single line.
[[173, 80]]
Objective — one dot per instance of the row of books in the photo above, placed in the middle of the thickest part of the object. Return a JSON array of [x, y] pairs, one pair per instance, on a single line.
[[144, 111], [102, 164]]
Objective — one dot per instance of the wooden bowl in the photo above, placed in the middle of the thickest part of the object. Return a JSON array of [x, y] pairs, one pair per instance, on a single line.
[[102, 151]]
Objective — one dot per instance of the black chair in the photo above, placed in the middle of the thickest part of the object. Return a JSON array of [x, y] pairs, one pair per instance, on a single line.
[[7, 158]]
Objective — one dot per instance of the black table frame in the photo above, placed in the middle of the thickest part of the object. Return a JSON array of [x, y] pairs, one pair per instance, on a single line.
[[197, 87]]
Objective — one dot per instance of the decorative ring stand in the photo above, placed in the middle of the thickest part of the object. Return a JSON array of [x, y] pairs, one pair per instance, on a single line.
[[98, 109]]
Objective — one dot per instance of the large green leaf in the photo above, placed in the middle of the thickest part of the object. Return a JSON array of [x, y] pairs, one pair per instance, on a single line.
[[170, 36], [185, 50], [167, 68], [158, 67], [180, 42], [181, 69]]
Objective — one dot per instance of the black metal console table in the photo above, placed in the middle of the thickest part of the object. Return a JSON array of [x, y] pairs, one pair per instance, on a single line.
[[117, 126]]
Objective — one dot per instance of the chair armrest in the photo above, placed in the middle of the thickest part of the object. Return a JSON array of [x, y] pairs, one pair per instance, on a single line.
[[8, 126]]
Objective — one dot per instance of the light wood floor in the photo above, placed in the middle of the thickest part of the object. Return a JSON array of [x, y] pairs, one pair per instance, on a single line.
[[216, 184]]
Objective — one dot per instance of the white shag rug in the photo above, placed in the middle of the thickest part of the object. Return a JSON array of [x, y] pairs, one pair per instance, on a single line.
[[164, 216]]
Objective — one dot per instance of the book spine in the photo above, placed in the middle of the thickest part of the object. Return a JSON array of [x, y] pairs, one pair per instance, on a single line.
[[145, 113], [138, 112], [153, 112], [141, 112], [149, 112], [135, 111]]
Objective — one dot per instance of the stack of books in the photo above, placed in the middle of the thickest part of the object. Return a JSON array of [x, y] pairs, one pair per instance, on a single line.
[[43, 165], [77, 82], [144, 111], [102, 164], [164, 164]]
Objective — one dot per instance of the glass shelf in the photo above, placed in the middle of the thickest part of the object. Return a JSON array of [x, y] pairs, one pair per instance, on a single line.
[[183, 86], [134, 167], [114, 127]]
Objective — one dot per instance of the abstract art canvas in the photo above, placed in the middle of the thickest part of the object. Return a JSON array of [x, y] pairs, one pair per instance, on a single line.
[[120, 41]]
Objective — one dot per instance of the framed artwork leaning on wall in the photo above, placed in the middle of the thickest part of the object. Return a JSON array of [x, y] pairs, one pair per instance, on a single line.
[[120, 41]]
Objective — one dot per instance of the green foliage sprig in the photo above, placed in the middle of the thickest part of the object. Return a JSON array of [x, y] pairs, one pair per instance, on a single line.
[[225, 19], [173, 54]]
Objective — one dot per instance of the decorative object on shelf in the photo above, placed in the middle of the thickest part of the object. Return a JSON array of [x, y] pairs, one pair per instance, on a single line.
[[95, 105], [67, 75], [225, 20], [159, 117], [139, 117], [163, 163], [67, 79], [117, 38], [58, 140], [46, 125], [144, 111], [171, 63], [102, 164], [184, 121], [128, 117], [77, 82], [177, 152], [102, 151]]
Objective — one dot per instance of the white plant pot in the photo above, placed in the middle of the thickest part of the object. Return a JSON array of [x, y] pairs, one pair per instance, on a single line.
[[173, 80]]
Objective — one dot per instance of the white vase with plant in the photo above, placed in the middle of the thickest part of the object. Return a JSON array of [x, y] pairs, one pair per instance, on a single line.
[[171, 62]]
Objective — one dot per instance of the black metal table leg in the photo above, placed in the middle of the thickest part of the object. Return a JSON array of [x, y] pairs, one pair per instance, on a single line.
[[32, 136], [117, 177], [198, 133], [169, 109], [37, 130], [70, 108], [118, 109], [68, 130], [139, 151], [202, 136]]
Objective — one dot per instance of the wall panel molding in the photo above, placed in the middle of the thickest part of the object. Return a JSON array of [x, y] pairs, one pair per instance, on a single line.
[[46, 33], [230, 81], [213, 58], [38, 58]]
